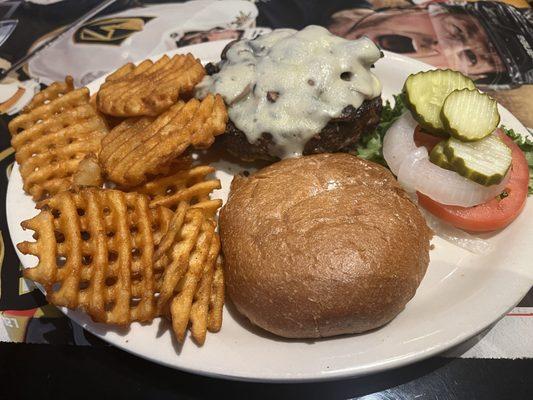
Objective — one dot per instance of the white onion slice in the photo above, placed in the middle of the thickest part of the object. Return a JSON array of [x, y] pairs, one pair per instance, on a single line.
[[415, 172], [410, 169], [398, 141]]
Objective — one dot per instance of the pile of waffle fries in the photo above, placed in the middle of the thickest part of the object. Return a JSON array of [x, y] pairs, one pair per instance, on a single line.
[[148, 246]]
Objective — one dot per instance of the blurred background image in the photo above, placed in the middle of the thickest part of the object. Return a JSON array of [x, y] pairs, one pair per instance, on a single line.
[[489, 41]]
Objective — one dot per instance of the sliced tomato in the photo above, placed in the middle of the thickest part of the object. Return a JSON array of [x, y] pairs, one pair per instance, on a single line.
[[422, 138], [496, 213]]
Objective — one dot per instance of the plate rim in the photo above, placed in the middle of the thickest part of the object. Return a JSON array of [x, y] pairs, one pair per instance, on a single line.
[[351, 372]]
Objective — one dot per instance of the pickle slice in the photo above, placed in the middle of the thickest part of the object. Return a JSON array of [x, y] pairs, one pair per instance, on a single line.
[[425, 94], [438, 157], [469, 115], [485, 161]]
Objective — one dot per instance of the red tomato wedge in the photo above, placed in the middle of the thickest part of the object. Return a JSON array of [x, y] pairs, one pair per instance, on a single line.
[[496, 213]]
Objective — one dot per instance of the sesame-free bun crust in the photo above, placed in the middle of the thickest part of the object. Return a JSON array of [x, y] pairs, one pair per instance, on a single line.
[[322, 245]]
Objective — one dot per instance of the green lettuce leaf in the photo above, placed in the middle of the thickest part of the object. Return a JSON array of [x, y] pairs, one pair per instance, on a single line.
[[370, 145], [526, 145]]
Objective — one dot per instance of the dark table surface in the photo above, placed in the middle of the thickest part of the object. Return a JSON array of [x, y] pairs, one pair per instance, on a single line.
[[55, 371]]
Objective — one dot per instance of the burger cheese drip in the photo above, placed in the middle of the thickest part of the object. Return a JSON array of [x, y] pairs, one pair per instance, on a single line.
[[289, 84]]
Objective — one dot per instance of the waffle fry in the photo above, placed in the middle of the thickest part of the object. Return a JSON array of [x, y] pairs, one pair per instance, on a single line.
[[52, 92], [216, 301], [140, 147], [125, 256], [95, 250], [189, 184], [187, 256], [149, 88], [110, 121], [200, 311], [172, 255], [182, 162], [181, 305], [52, 138]]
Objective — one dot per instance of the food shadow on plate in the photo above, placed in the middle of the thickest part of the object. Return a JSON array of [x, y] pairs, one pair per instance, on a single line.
[[95, 327], [256, 330], [165, 327], [87, 323]]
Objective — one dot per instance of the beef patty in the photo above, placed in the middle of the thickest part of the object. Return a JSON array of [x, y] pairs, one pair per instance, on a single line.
[[339, 135]]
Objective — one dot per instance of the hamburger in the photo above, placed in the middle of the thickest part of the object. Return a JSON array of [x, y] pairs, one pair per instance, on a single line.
[[292, 93], [322, 245]]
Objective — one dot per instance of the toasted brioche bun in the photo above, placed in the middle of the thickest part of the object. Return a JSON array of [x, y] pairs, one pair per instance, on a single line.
[[322, 245]]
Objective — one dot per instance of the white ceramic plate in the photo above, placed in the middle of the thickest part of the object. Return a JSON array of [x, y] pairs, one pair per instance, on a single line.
[[460, 295]]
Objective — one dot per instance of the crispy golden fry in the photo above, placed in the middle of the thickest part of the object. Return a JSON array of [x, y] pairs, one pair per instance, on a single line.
[[52, 92], [107, 252], [180, 307], [174, 251], [51, 140], [161, 218], [216, 301], [188, 184], [200, 306], [171, 236], [140, 147], [182, 162], [187, 256], [110, 121], [149, 88], [95, 250]]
